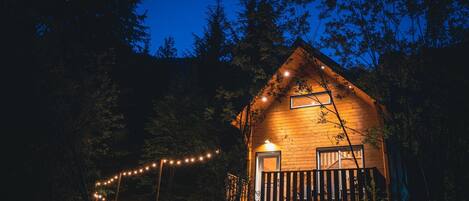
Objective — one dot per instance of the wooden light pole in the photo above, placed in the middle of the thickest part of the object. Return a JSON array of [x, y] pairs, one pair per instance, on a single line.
[[158, 183], [118, 186]]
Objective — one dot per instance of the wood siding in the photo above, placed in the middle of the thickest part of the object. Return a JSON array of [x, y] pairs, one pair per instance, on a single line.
[[297, 134]]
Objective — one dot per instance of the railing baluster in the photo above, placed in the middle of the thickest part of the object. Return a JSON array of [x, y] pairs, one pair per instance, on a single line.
[[275, 190], [336, 185], [315, 185], [295, 183], [352, 185], [360, 184], [288, 186], [329, 185], [262, 186], [281, 188], [302, 185], [321, 185], [308, 185], [269, 186], [343, 176]]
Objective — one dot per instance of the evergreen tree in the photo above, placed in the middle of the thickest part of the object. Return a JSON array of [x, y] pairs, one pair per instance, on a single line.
[[167, 49]]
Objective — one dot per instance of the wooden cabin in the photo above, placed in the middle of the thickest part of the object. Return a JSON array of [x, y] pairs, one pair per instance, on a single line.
[[297, 147]]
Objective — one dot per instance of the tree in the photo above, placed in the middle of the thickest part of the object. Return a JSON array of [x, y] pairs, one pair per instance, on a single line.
[[167, 49], [395, 43], [73, 120]]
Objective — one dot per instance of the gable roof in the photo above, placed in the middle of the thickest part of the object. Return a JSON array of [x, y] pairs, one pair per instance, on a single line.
[[301, 54]]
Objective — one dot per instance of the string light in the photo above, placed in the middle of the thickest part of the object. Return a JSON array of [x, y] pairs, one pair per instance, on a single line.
[[264, 99], [322, 67], [147, 167], [349, 86], [286, 73]]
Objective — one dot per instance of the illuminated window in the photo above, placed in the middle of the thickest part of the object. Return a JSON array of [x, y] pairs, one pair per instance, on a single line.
[[339, 157], [310, 100]]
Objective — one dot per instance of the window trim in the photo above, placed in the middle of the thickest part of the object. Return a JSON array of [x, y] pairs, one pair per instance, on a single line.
[[315, 105], [319, 149]]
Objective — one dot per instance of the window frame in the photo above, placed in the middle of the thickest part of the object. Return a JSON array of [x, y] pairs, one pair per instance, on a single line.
[[337, 148], [309, 94]]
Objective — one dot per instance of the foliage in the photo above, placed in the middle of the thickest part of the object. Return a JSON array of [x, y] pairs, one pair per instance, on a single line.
[[167, 50], [398, 48]]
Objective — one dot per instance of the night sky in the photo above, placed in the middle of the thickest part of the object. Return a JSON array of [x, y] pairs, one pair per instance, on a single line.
[[183, 18]]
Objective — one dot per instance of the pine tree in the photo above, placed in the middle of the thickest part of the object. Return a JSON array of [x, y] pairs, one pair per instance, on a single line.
[[167, 49]]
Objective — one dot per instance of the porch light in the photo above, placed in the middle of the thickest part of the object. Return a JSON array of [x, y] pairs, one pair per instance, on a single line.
[[264, 99], [267, 141], [286, 73]]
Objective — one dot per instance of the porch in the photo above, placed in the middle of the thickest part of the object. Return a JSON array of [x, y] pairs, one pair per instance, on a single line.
[[321, 185]]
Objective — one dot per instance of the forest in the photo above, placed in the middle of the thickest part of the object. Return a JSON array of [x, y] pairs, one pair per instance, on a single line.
[[85, 96]]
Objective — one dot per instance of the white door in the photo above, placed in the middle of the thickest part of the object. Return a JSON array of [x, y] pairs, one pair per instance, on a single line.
[[265, 161]]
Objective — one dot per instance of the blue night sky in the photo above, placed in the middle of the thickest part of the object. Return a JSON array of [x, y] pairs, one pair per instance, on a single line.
[[183, 18]]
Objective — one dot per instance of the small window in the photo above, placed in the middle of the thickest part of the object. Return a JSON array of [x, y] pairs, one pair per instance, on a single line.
[[310, 100], [339, 157]]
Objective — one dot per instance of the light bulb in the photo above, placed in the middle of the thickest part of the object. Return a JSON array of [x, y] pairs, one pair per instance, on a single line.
[[201, 158], [209, 155], [322, 67], [264, 99], [286, 73]]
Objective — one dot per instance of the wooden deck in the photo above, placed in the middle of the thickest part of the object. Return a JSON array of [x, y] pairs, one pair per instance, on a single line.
[[321, 185]]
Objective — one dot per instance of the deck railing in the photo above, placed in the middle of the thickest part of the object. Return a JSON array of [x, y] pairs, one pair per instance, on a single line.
[[320, 185]]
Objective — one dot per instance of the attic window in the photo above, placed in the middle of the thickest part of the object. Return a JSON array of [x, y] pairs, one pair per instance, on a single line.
[[310, 100]]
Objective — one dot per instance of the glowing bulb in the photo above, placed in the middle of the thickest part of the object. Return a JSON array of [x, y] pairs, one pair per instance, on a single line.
[[135, 172], [186, 160], [164, 161], [153, 165], [97, 184], [286, 73], [129, 173], [115, 177], [112, 180], [125, 173], [99, 196], [322, 67], [264, 99], [209, 155], [349, 86], [267, 141], [201, 158], [104, 198], [147, 168], [192, 159], [141, 170], [178, 162], [217, 151], [171, 162]]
